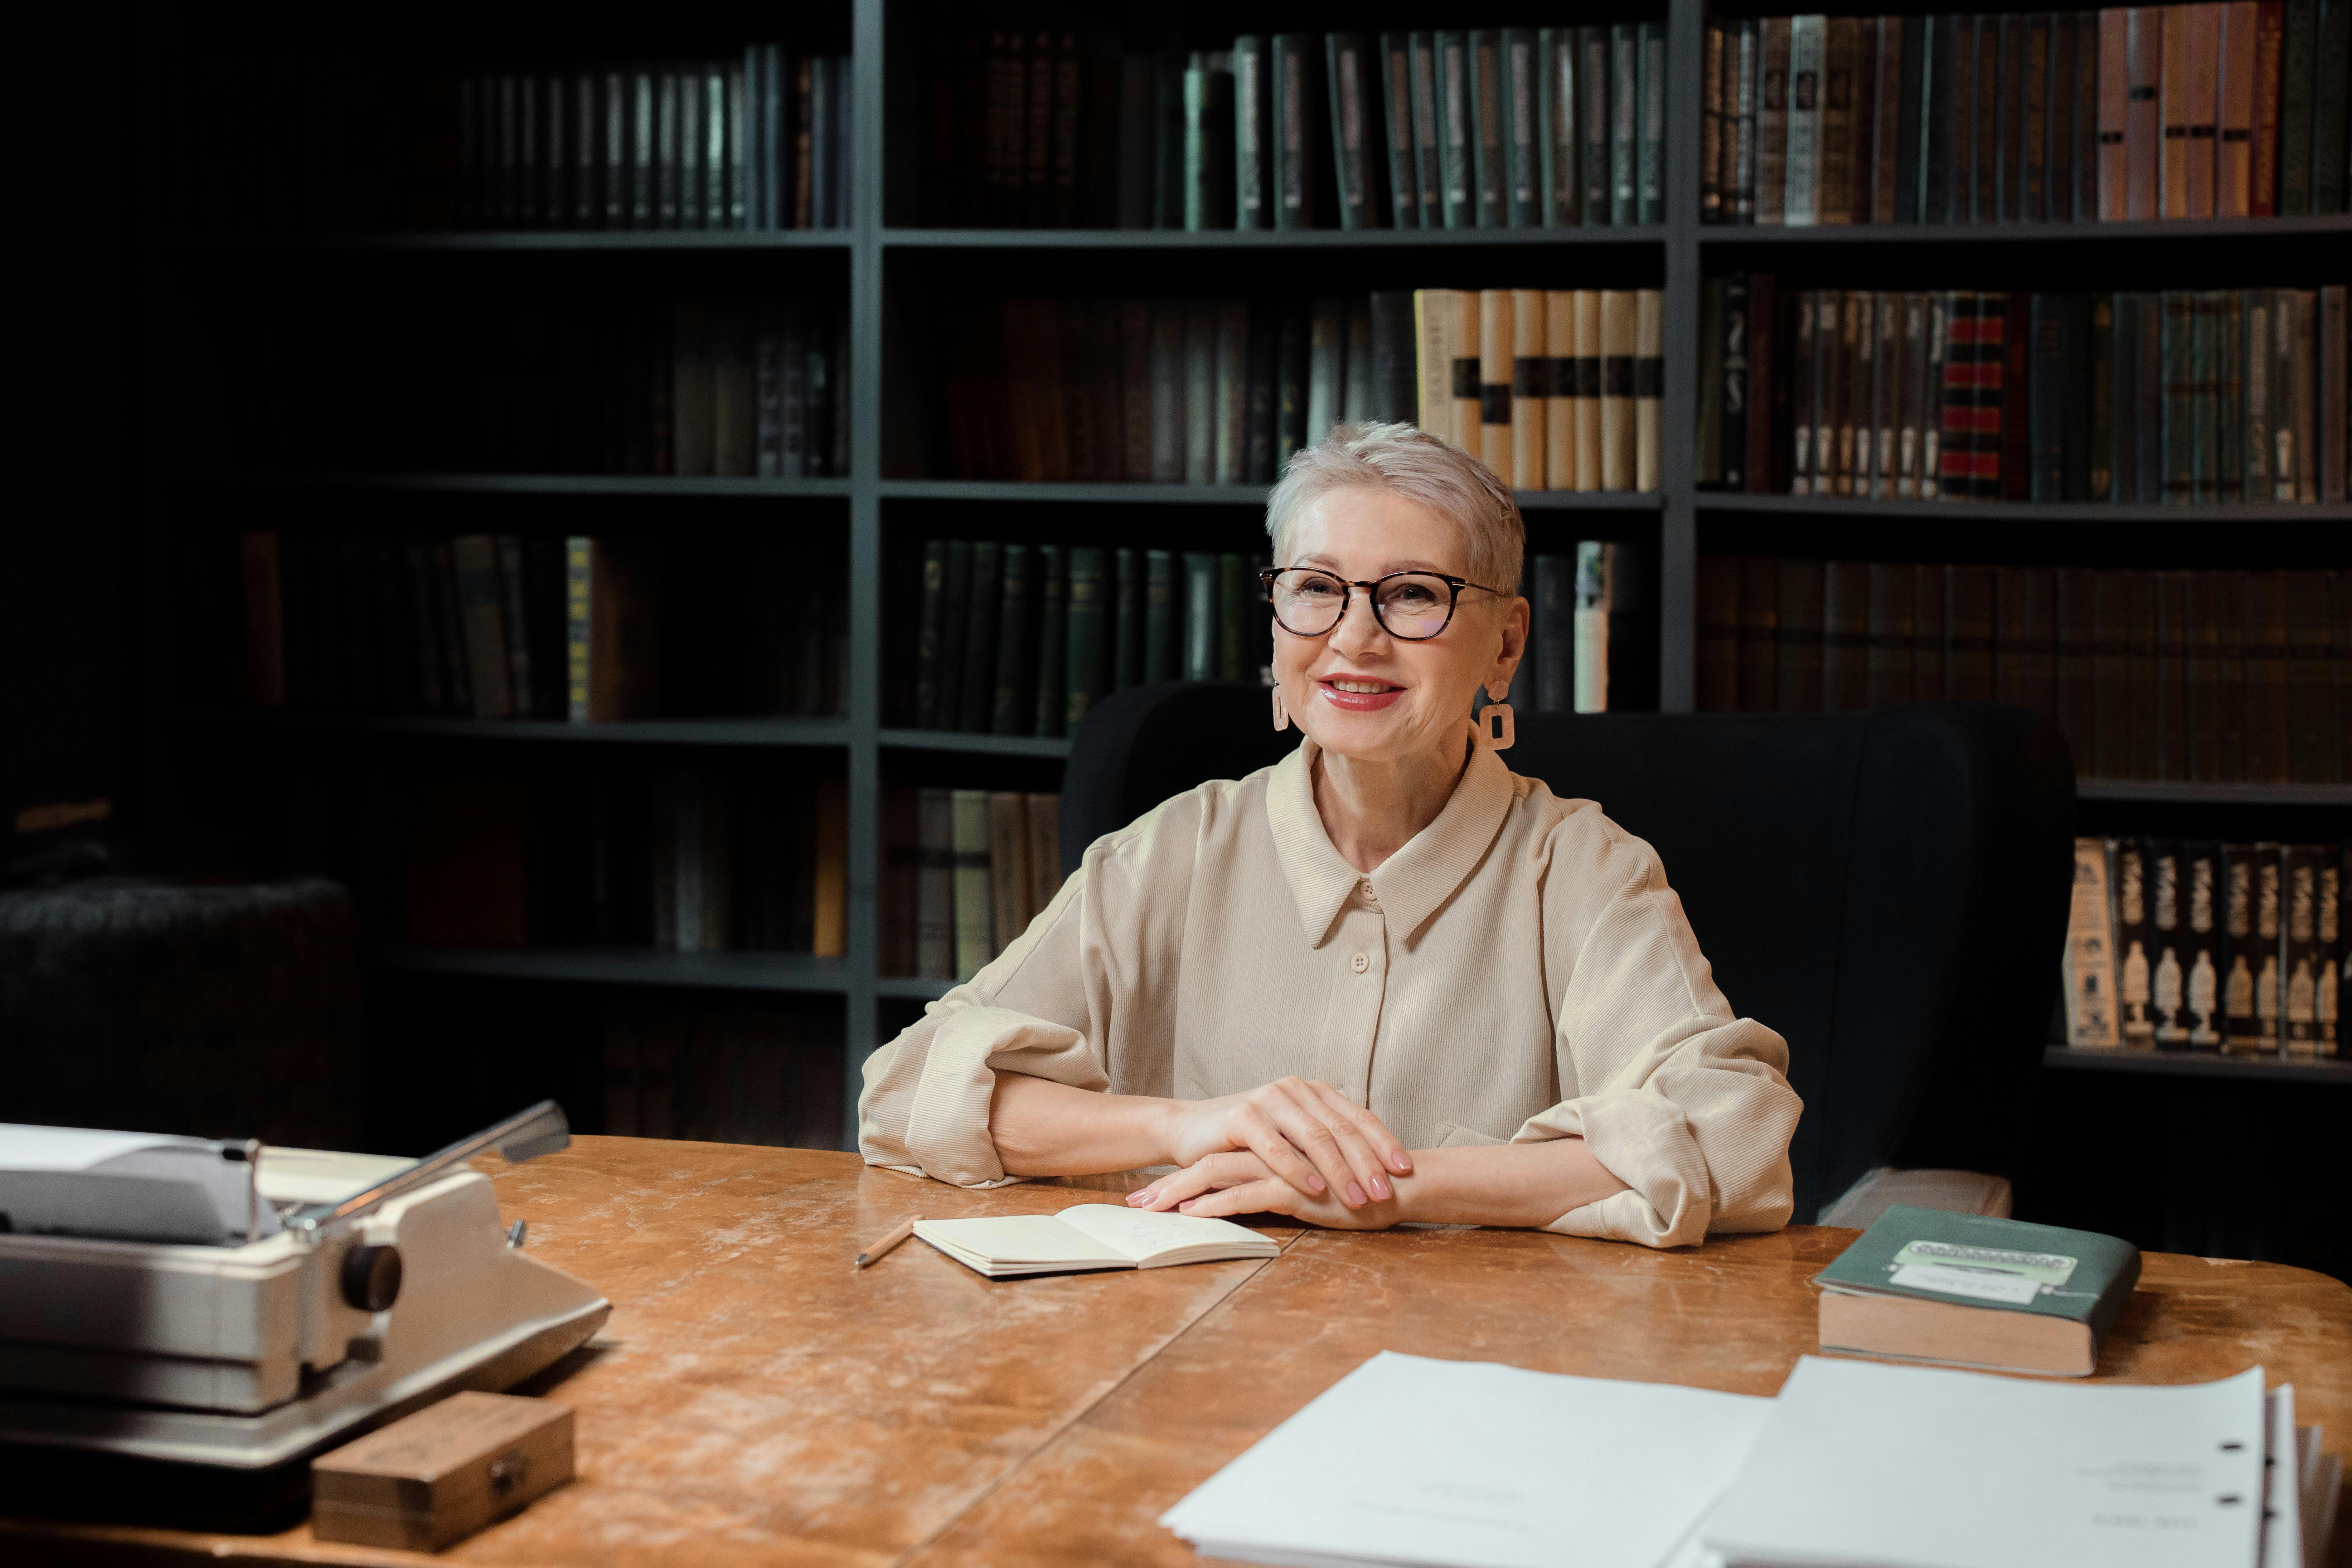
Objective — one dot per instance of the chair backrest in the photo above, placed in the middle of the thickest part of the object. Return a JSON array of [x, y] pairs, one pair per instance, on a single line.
[[1888, 890]]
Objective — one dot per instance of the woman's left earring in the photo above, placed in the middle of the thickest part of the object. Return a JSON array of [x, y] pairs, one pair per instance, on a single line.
[[1497, 726], [1281, 714]]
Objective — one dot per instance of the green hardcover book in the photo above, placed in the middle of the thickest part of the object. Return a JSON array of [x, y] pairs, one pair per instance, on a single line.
[[1053, 638], [2205, 410], [2228, 364], [978, 703], [955, 616], [1200, 616], [1014, 711], [1489, 110], [1162, 648], [1126, 636], [2101, 486], [2298, 87], [1593, 42], [1168, 146], [1649, 163], [1088, 603], [1232, 618], [1523, 161], [1708, 447], [927, 663], [2329, 108], [1253, 125], [1962, 1289], [1428, 155], [1624, 123], [2178, 358], [1292, 130], [1456, 121], [1208, 147], [1555, 125], [1393, 63], [1350, 68]]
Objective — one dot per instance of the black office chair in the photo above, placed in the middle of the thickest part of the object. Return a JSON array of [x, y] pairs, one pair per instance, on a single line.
[[1889, 891]]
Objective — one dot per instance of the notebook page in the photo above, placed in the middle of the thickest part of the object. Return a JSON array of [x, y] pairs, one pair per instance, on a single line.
[[1476, 1466], [1021, 1238], [1893, 1465], [2281, 1494], [1136, 1234]]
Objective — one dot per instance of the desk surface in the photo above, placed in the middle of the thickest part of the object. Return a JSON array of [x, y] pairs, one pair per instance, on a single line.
[[754, 1401]]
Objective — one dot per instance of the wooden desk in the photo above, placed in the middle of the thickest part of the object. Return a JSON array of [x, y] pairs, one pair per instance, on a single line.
[[753, 1401]]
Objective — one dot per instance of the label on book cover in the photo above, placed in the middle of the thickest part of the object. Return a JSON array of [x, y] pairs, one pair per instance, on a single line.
[[1945, 1280], [1985, 1273]]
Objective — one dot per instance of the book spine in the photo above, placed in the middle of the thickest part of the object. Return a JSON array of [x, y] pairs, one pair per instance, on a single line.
[[1126, 620], [1251, 117], [1530, 382], [1200, 617], [1013, 700], [1428, 143], [1088, 631], [1563, 201], [1346, 58], [2033, 143], [1802, 393], [1733, 441], [1522, 154], [1863, 92], [976, 680], [1984, 154], [2059, 160], [1651, 161], [1624, 123], [1488, 113], [1886, 137], [1560, 393], [1495, 338], [1768, 407], [1458, 124], [1598, 87], [1294, 173], [1772, 121], [2331, 71], [1620, 340], [1739, 123], [2049, 370], [1649, 387], [2298, 88], [2234, 149], [1162, 625], [1710, 126], [1939, 78], [1395, 64], [1807, 41]]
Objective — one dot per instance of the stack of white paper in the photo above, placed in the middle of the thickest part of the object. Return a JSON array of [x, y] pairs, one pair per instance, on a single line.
[[1471, 1465], [141, 1186]]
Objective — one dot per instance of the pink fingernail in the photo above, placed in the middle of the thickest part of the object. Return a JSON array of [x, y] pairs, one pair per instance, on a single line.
[[1314, 1183], [1401, 1162], [1145, 1196], [1355, 1195], [1379, 1188]]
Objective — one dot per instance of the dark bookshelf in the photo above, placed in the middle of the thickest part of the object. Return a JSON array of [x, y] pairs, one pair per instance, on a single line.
[[2201, 1065], [882, 269]]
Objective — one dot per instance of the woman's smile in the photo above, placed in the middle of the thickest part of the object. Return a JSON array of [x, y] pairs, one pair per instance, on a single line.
[[1359, 693]]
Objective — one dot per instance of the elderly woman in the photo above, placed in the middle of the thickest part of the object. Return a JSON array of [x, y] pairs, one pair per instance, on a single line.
[[1386, 979]]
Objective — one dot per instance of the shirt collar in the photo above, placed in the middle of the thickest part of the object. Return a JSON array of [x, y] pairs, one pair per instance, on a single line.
[[1412, 883]]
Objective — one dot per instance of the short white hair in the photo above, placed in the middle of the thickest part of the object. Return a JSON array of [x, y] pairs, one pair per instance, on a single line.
[[1420, 468]]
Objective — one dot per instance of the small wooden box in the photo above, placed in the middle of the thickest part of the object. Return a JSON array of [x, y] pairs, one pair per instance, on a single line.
[[437, 1477]]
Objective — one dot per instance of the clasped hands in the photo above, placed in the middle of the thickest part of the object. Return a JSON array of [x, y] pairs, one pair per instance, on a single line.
[[1293, 1147]]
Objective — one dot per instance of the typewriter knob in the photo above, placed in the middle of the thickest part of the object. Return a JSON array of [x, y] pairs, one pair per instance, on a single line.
[[371, 1278]]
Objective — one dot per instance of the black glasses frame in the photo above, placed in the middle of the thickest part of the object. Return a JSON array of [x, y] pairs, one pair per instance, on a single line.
[[1347, 587]]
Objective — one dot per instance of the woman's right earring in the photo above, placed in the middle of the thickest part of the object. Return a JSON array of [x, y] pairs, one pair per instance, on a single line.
[[1281, 714]]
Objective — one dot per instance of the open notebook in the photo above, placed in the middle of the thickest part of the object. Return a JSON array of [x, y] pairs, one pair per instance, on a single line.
[[1090, 1236]]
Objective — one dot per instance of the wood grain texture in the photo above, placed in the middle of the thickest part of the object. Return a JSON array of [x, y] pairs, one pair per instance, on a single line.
[[754, 1400]]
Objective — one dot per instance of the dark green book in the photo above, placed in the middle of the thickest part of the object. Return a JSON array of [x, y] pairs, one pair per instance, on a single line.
[[1985, 125], [1200, 616], [1485, 122], [1208, 146], [1053, 638], [2099, 478], [1126, 620], [1263, 403], [2298, 84], [2327, 106], [929, 664], [2204, 408], [1961, 1289], [1253, 127], [1593, 47], [1167, 155], [2176, 360], [1555, 125], [1292, 363], [1350, 70], [2229, 396], [1161, 633], [1394, 95], [1428, 162], [1087, 631], [1232, 618], [1458, 124], [1624, 123], [955, 614], [1296, 105], [1650, 161], [1014, 711], [1523, 161], [978, 702]]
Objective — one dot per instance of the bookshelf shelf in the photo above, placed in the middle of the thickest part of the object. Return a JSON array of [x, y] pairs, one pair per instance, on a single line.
[[1264, 239], [625, 966], [2198, 1064], [2214, 794], [2027, 232], [529, 484], [908, 988], [1092, 494], [784, 732], [532, 240], [2087, 513], [977, 745]]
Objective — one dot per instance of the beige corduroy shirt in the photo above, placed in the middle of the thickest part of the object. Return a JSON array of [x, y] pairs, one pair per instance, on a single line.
[[1520, 971]]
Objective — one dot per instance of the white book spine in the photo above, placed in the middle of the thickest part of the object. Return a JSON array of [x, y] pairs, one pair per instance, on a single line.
[[1808, 37]]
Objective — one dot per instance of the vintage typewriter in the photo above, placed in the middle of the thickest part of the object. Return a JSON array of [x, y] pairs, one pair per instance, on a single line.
[[185, 1324]]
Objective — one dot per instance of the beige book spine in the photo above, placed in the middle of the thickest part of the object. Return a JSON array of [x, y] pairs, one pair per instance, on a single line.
[[1433, 327], [1649, 385], [1560, 399], [2175, 114], [1528, 378], [2204, 78], [2233, 155], [1008, 853], [1494, 342], [1588, 389], [1465, 433], [1619, 329]]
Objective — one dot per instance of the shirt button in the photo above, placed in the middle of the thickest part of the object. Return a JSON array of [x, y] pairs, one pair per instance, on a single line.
[[1361, 962], [1371, 896]]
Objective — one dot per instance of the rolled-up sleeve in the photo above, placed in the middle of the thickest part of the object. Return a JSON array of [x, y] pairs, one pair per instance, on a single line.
[[1687, 1105]]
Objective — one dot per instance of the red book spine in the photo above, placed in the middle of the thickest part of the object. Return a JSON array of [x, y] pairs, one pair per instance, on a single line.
[[2269, 34]]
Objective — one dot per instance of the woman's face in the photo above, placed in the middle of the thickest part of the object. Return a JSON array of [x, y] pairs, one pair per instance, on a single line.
[[1361, 692]]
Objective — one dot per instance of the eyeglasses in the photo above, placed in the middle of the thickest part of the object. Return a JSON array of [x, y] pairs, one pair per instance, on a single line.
[[1413, 605]]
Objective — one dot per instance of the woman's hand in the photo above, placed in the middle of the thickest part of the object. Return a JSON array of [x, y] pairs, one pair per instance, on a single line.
[[1307, 1135], [1237, 1181]]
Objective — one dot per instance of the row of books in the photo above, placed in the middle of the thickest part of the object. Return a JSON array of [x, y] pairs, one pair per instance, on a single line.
[[1551, 388], [2230, 110], [2185, 397], [2180, 945], [534, 626], [965, 871], [722, 1072], [1509, 128], [620, 858], [756, 141], [2212, 676]]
